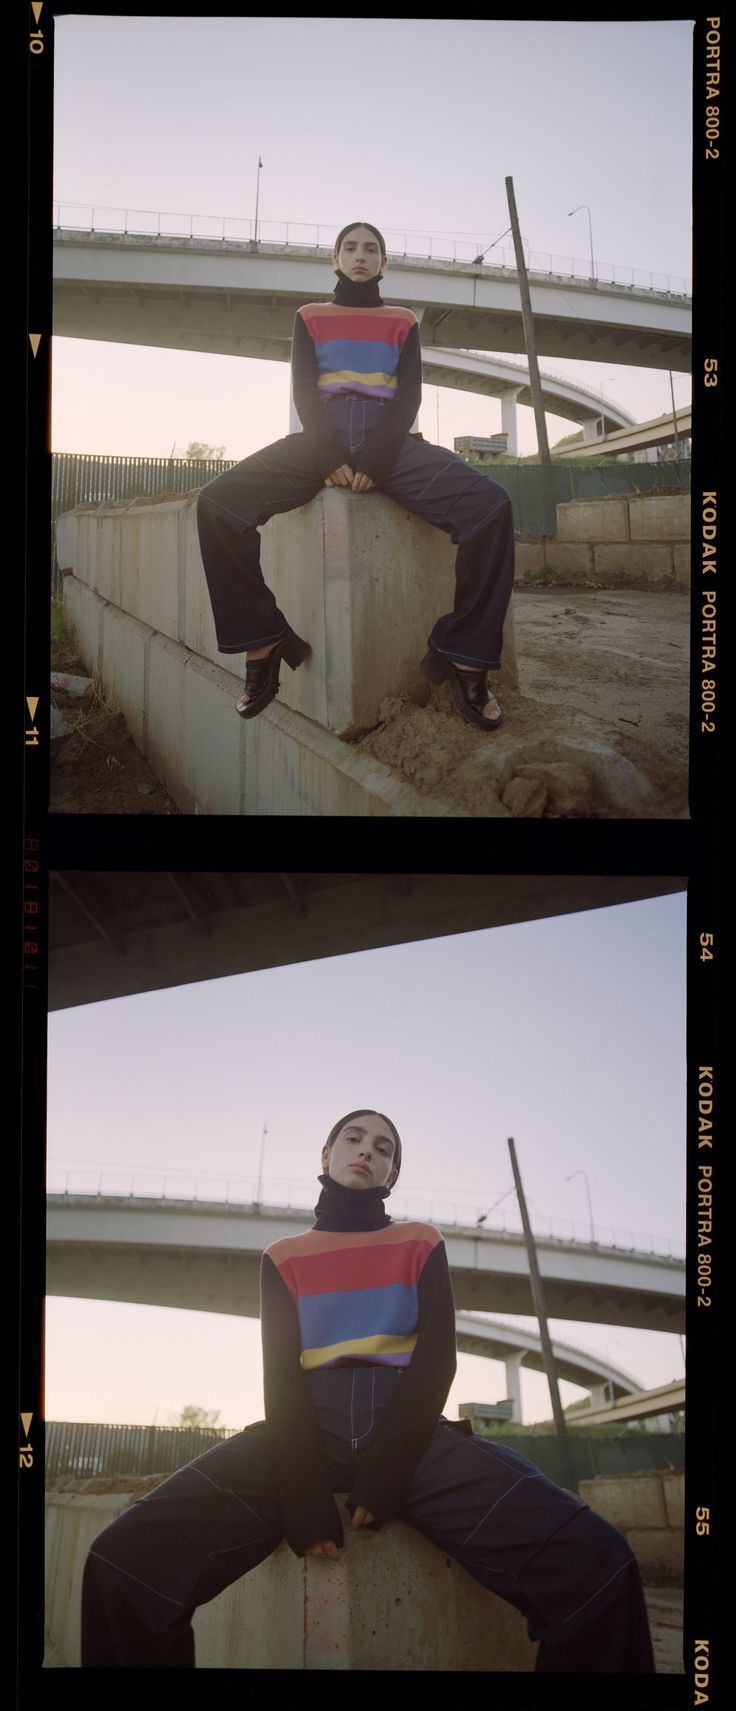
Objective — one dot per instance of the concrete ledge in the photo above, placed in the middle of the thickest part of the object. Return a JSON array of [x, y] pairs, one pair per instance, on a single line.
[[123, 664], [660, 1553], [84, 612], [649, 1508], [673, 1486], [393, 1601], [565, 558]]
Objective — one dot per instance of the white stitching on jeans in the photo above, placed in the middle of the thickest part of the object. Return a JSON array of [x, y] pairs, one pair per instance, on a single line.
[[501, 1499], [227, 1489], [598, 1593]]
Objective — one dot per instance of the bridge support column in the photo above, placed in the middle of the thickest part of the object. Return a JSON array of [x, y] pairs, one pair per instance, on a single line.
[[599, 1396], [513, 1365], [509, 419]]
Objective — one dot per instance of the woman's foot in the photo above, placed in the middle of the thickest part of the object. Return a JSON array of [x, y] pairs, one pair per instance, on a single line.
[[469, 690], [244, 698], [491, 712], [262, 667]]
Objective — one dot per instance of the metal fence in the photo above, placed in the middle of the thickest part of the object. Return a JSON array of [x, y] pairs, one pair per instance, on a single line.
[[80, 1451], [83, 1450], [534, 489]]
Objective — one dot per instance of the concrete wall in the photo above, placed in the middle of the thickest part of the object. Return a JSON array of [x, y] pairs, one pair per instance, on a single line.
[[358, 577], [650, 1509], [638, 538], [180, 710], [393, 1601]]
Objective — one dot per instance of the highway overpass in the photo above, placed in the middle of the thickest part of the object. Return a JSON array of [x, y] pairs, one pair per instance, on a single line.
[[206, 1256], [239, 299], [659, 431], [112, 934]]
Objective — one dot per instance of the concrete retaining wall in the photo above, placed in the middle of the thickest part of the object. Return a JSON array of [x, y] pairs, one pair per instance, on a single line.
[[180, 710], [639, 538], [393, 1601], [362, 580], [650, 1509]]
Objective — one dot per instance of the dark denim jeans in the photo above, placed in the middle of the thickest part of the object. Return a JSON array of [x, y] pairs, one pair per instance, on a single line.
[[569, 1572], [427, 480]]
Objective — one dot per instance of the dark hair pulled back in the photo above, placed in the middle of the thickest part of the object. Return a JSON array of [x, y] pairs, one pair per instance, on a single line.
[[366, 1111], [376, 234]]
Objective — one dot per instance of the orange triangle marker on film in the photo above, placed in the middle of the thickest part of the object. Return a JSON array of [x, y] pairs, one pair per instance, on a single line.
[[31, 704], [36, 8], [26, 1418], [35, 339]]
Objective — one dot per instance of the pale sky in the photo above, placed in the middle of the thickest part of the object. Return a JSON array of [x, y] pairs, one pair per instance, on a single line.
[[412, 124], [568, 1034]]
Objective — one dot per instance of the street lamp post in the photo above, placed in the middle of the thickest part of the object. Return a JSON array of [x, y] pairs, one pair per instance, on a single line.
[[258, 178], [590, 230], [584, 1173]]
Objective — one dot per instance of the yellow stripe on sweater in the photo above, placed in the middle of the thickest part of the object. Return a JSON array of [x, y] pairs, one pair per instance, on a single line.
[[359, 1346]]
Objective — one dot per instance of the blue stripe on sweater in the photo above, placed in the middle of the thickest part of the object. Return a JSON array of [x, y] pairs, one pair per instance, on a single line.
[[336, 1318], [361, 356]]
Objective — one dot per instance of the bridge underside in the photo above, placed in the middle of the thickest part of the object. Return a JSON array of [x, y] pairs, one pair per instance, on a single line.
[[226, 1282], [214, 321], [112, 934]]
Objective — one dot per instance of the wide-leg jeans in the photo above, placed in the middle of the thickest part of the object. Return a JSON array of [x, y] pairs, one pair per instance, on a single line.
[[427, 480], [571, 1574]]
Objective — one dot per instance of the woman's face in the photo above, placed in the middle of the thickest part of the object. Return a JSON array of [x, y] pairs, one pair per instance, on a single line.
[[361, 1155], [359, 255]]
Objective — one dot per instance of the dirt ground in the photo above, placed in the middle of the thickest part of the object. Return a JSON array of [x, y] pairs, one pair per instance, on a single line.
[[598, 728], [98, 770], [607, 668]]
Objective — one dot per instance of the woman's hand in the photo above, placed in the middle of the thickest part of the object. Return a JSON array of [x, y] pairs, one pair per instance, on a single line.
[[342, 477], [362, 484], [362, 1517], [325, 1548]]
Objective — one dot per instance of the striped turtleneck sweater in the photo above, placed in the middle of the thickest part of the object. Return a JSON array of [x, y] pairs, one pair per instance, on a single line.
[[329, 1297], [358, 345]]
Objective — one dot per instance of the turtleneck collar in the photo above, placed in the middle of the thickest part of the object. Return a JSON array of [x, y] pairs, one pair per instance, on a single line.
[[357, 293], [340, 1208]]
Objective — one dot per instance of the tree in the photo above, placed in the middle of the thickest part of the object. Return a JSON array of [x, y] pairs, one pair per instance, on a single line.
[[198, 450], [193, 1416]]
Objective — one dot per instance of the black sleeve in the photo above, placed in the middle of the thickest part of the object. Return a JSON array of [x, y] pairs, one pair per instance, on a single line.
[[402, 1437], [385, 440], [309, 1509], [319, 433]]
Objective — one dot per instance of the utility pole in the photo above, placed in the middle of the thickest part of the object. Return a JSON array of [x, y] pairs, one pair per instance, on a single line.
[[538, 1299], [535, 384], [258, 181], [674, 417]]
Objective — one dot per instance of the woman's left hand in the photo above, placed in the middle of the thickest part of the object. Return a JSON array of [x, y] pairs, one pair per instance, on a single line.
[[362, 1517], [362, 483]]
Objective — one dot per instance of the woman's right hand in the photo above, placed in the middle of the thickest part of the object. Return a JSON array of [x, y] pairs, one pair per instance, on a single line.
[[325, 1548], [342, 477]]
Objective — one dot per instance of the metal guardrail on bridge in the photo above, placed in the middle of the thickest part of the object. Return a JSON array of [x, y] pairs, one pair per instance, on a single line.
[[409, 245]]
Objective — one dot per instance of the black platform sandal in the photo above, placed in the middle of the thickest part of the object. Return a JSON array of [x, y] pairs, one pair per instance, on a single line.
[[469, 689], [262, 675]]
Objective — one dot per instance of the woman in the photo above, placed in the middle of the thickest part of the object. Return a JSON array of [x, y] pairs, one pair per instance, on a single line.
[[357, 386], [358, 1326]]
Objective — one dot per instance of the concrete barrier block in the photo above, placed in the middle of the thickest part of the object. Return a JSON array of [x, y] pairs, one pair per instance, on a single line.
[[83, 611], [214, 740], [392, 1601], [166, 747], [660, 1553], [635, 562], [294, 766], [149, 586], [72, 1524], [568, 558], [660, 517], [673, 1486], [65, 536], [683, 561], [628, 1500], [529, 559], [593, 520], [124, 650]]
